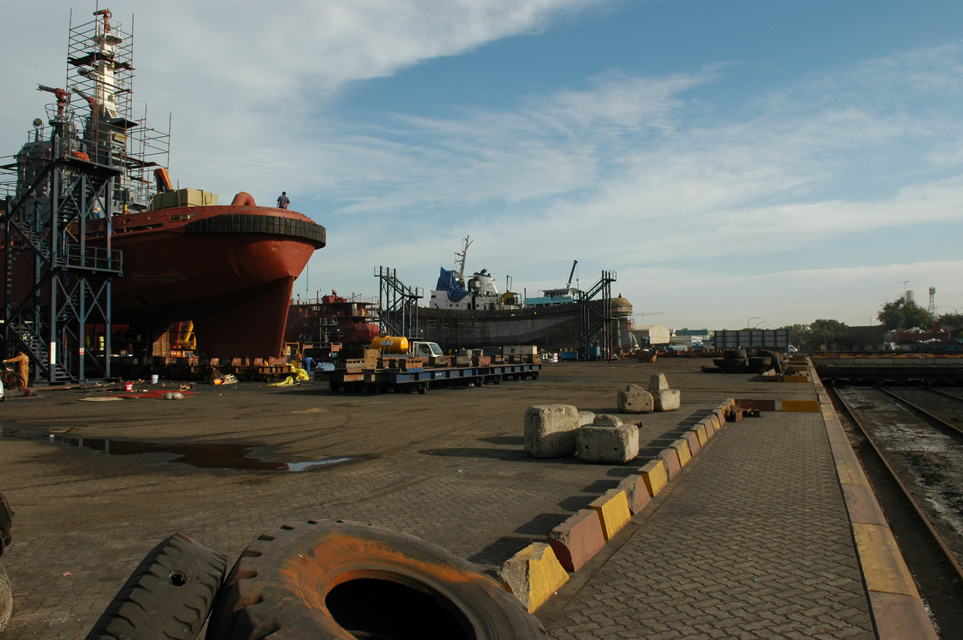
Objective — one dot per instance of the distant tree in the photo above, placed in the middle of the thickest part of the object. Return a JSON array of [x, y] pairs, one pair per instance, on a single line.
[[826, 333], [799, 334], [901, 314], [951, 321]]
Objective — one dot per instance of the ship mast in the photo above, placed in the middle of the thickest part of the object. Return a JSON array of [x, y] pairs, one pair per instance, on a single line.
[[461, 261]]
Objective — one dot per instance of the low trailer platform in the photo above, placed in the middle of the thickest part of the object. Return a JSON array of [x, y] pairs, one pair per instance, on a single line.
[[420, 380]]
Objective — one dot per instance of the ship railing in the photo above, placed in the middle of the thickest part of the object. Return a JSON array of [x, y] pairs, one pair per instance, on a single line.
[[368, 301], [93, 259]]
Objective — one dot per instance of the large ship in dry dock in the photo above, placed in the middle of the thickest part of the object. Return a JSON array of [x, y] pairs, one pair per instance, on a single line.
[[92, 197], [469, 312]]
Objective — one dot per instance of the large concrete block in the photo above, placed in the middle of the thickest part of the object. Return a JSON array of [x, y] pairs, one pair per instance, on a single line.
[[635, 399], [578, 539], [658, 382], [611, 445], [550, 430], [667, 399], [585, 417], [607, 420]]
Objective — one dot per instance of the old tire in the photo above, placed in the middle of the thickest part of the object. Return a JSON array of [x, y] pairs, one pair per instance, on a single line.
[[6, 598], [6, 524], [169, 594], [346, 580]]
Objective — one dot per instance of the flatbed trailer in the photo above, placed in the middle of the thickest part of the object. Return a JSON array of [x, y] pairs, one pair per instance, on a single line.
[[422, 379]]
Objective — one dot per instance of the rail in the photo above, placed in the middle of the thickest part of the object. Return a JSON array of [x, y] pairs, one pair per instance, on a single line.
[[938, 573]]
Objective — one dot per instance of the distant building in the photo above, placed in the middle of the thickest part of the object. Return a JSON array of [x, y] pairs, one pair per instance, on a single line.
[[653, 334], [702, 335]]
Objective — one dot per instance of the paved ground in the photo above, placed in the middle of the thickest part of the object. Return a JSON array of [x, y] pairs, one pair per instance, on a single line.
[[753, 541], [753, 534]]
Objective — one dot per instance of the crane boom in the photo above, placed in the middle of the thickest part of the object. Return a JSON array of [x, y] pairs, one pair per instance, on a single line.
[[570, 274]]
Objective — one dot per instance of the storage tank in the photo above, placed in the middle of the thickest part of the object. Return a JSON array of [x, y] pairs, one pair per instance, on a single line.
[[390, 344]]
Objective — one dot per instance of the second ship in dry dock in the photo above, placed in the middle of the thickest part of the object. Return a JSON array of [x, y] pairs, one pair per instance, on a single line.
[[469, 312]]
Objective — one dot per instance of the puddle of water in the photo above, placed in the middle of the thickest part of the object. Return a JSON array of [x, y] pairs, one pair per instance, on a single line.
[[200, 455]]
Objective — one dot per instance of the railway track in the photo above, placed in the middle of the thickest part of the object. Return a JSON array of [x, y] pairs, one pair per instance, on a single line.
[[912, 452]]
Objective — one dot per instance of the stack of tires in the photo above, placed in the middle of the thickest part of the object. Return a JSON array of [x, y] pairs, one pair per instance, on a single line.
[[320, 579], [733, 361]]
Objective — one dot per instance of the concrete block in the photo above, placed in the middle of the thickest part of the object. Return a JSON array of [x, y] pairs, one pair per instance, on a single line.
[[577, 540], [612, 445], [667, 399], [607, 420], [635, 399], [708, 427], [533, 575], [682, 451], [700, 430], [613, 510], [585, 417], [635, 492], [720, 414], [670, 458], [655, 476], [716, 424], [550, 430], [692, 439], [658, 382]]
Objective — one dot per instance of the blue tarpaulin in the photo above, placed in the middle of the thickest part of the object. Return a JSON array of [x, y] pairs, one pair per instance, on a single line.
[[448, 282]]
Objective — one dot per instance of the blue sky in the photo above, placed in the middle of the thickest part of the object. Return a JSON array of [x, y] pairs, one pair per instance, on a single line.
[[784, 161]]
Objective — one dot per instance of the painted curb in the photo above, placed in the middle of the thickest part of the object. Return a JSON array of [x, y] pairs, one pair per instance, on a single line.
[[613, 510], [655, 476], [895, 603], [577, 540], [533, 575]]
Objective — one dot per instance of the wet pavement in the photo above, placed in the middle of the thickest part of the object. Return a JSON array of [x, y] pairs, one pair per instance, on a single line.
[[95, 485]]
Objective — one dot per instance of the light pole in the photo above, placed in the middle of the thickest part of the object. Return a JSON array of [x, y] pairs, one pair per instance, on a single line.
[[749, 321]]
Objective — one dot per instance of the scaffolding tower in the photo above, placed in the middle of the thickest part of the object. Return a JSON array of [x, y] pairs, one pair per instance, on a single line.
[[597, 325], [58, 261], [397, 304]]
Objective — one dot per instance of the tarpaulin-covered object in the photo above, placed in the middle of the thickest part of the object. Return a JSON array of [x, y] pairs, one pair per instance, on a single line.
[[448, 282]]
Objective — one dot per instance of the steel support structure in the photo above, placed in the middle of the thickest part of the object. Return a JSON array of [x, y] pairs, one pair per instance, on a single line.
[[397, 305], [57, 278], [597, 326]]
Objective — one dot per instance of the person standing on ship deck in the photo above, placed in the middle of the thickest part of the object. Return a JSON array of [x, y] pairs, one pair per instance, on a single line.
[[283, 201]]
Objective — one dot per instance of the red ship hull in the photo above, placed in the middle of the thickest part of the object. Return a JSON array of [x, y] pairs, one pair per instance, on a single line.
[[332, 318], [230, 269]]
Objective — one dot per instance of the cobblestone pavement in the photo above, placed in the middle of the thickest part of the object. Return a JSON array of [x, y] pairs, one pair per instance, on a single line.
[[752, 542], [447, 466]]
